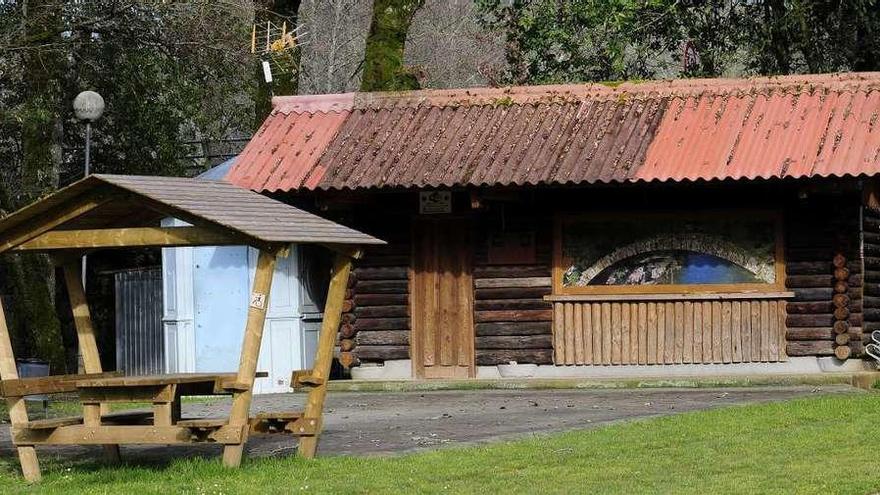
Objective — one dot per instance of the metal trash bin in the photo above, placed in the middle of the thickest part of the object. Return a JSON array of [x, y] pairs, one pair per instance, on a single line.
[[33, 368]]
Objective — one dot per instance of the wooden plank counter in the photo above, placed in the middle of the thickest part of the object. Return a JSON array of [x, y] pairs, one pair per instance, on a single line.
[[669, 328]]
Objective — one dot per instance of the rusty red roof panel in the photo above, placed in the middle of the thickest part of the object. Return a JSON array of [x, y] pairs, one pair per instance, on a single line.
[[794, 126], [284, 153], [767, 136]]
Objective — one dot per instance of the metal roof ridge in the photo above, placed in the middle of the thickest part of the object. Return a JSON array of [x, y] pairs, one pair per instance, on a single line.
[[566, 93], [326, 103]]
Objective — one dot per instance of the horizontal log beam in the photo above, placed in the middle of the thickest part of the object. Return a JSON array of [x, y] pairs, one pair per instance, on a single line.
[[512, 293], [872, 263], [514, 328], [379, 299], [99, 435], [381, 324], [818, 267], [809, 307], [130, 237], [514, 342], [823, 294], [498, 356], [509, 304], [490, 283], [383, 337], [810, 348], [511, 271], [383, 287], [375, 260], [514, 315], [53, 384], [45, 222], [382, 311], [810, 333], [381, 273], [382, 352], [824, 280], [819, 320]]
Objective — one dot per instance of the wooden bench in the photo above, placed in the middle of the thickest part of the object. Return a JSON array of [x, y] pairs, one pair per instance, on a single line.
[[118, 418], [55, 384], [291, 422], [305, 379]]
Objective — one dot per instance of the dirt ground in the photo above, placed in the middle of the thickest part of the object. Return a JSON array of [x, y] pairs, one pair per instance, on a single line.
[[382, 423]]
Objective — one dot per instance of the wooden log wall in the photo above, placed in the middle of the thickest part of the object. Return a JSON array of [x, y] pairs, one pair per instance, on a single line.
[[666, 332], [511, 318], [513, 322], [824, 271], [871, 265], [376, 326]]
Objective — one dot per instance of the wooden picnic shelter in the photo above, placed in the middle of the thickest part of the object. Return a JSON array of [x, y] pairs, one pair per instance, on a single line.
[[114, 211]]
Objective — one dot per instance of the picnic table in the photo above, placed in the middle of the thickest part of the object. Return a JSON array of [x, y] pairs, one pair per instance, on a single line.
[[162, 425], [109, 212]]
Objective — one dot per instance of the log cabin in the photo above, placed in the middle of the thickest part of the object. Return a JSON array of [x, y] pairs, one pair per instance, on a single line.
[[687, 226]]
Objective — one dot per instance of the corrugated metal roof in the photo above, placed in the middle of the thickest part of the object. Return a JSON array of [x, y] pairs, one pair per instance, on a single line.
[[194, 200], [793, 126], [218, 172], [284, 152]]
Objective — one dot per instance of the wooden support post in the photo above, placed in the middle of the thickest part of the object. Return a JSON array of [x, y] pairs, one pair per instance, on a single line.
[[85, 336], [250, 352], [18, 417], [164, 411], [308, 445]]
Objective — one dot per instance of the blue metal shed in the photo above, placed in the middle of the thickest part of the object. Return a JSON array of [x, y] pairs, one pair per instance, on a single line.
[[205, 300]]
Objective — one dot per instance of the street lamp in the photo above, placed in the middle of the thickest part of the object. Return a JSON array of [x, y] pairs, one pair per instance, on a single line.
[[88, 106]]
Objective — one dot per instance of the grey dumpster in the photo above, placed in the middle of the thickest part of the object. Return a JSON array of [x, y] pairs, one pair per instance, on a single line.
[[33, 368]]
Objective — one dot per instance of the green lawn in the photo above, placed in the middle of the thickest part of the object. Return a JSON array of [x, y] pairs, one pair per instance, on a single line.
[[815, 445]]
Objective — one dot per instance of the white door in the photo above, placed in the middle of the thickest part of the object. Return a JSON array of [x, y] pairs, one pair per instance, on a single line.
[[281, 352], [206, 310]]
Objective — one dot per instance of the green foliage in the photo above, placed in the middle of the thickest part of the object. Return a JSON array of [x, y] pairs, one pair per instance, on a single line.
[[169, 73], [797, 36], [277, 11], [585, 40], [36, 331], [383, 58], [600, 40]]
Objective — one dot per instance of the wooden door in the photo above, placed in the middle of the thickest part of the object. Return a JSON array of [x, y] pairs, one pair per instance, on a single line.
[[441, 299]]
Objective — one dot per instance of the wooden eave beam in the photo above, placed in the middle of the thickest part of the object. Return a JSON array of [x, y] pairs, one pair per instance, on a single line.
[[353, 251], [23, 233], [130, 237]]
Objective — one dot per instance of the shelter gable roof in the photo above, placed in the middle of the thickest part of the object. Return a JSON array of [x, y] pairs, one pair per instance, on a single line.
[[137, 200]]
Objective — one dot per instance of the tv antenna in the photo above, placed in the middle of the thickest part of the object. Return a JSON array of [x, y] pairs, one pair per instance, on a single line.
[[276, 47]]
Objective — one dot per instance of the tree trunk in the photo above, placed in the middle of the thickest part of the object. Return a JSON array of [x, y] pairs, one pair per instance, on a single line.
[[383, 58]]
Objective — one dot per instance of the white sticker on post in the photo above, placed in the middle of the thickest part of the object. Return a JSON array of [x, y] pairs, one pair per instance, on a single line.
[[258, 300]]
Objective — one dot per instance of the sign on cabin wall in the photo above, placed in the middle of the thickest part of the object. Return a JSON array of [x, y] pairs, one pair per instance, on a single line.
[[632, 253], [435, 202]]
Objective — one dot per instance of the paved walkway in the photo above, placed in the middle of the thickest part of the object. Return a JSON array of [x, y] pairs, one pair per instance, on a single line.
[[389, 423]]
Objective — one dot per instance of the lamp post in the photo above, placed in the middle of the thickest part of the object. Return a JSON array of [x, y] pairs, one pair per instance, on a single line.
[[88, 107]]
